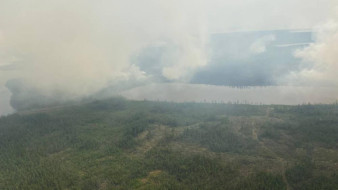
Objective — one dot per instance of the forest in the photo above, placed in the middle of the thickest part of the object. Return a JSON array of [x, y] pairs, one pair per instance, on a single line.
[[123, 144]]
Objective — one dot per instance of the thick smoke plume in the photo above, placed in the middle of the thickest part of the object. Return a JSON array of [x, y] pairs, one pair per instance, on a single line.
[[81, 46], [320, 57]]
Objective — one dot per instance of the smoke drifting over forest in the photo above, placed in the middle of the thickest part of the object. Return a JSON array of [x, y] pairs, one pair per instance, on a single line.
[[72, 49], [82, 46]]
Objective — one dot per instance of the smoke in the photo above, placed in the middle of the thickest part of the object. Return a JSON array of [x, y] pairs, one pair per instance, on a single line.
[[80, 47], [259, 46], [320, 58]]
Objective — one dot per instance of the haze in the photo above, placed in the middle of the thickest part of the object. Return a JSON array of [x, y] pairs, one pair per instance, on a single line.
[[73, 49]]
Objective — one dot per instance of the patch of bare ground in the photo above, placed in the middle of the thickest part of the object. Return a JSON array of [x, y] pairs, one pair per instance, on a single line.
[[153, 136], [150, 138], [151, 175], [270, 160]]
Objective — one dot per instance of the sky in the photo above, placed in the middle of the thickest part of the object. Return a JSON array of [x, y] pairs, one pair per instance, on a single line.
[[248, 15], [80, 47]]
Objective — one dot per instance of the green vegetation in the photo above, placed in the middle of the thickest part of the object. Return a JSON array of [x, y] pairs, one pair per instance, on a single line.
[[120, 144]]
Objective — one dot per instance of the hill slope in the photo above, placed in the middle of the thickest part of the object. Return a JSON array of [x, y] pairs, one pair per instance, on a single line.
[[119, 144]]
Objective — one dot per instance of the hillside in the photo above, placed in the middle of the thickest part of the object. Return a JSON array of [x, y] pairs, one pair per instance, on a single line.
[[120, 144]]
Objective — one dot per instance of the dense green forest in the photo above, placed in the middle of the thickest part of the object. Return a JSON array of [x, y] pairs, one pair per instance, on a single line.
[[120, 144]]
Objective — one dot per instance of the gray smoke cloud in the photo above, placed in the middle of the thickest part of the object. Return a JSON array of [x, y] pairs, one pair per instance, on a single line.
[[62, 50], [321, 58], [259, 46], [81, 46]]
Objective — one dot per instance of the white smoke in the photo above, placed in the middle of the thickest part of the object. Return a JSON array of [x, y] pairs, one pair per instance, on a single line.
[[322, 56], [259, 45], [81, 46]]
